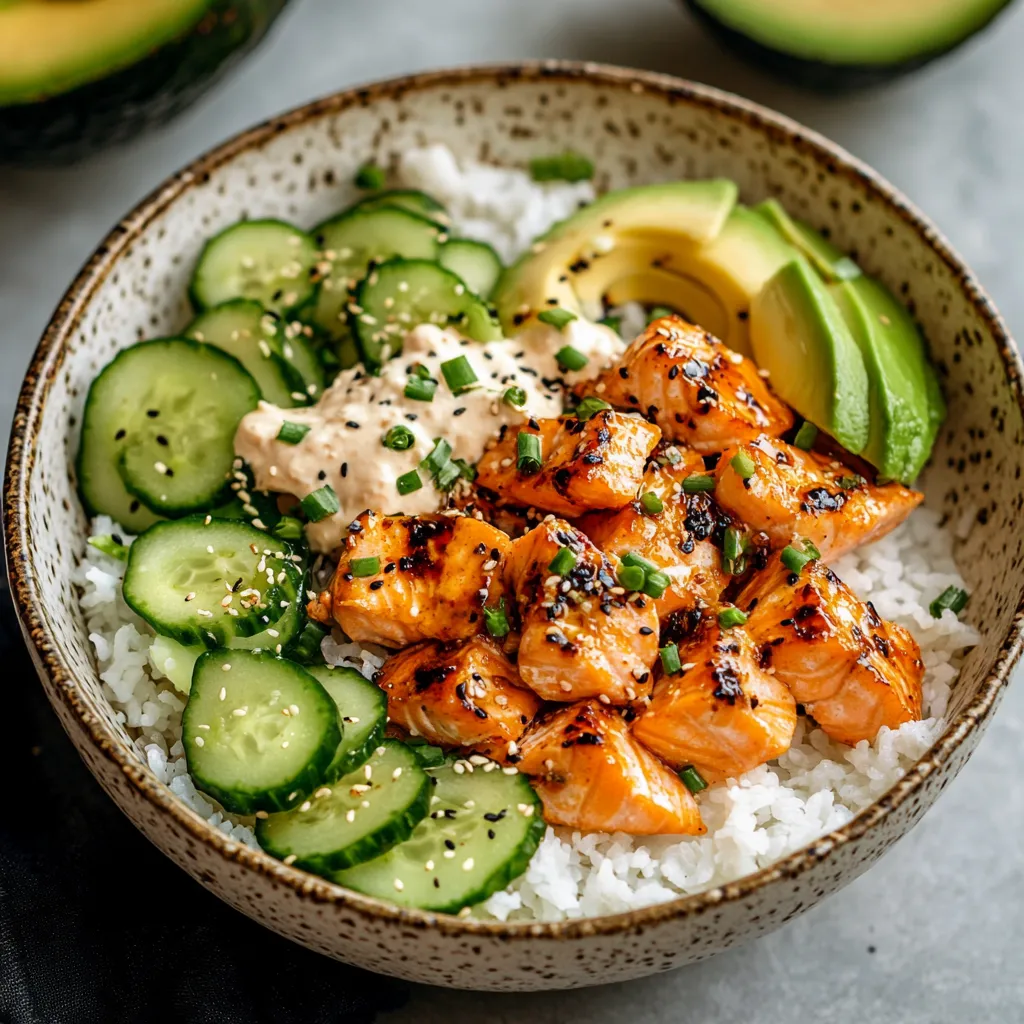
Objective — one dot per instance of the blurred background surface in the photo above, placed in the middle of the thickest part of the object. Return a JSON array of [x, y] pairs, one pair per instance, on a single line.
[[932, 934]]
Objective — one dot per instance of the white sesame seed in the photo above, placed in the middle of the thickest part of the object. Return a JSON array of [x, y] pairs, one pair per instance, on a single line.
[[284, 744], [350, 815], [449, 854], [305, 805], [368, 772], [240, 712], [467, 864], [458, 769], [399, 885], [200, 742], [290, 859], [223, 693], [429, 866], [262, 815], [397, 773], [293, 708]]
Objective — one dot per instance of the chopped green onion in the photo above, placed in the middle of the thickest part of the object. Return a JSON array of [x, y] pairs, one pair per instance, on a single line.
[[851, 483], [429, 756], [399, 438], [516, 397], [794, 559], [651, 503], [612, 322], [459, 375], [496, 621], [306, 649], [656, 584], [567, 166], [633, 559], [632, 577], [590, 407], [421, 389], [447, 476], [806, 436], [419, 370], [370, 178], [364, 566], [292, 433], [106, 543], [657, 312], [322, 503], [953, 598], [563, 562], [288, 528], [569, 358], [733, 546], [408, 482], [528, 458], [466, 471], [697, 482], [692, 779], [556, 317], [440, 455], [743, 464], [729, 617], [670, 659]]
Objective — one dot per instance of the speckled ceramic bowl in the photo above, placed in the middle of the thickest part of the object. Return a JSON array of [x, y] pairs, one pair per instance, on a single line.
[[639, 128]]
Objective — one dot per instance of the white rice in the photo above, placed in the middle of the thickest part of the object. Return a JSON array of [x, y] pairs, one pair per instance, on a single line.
[[752, 821]]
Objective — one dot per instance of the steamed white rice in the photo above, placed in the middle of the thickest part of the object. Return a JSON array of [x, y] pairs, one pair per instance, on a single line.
[[817, 786]]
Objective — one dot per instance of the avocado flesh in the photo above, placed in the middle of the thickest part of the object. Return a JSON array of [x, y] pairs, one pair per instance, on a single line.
[[854, 32], [800, 337], [832, 263], [683, 295], [906, 402], [48, 47]]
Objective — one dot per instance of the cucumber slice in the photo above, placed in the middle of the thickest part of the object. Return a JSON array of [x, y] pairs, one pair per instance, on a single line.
[[352, 241], [258, 731], [301, 355], [243, 329], [406, 199], [181, 574], [402, 293], [357, 818], [363, 707], [475, 262], [475, 841], [158, 430], [266, 260]]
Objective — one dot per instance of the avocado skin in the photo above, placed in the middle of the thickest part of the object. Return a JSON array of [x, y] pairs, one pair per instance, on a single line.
[[820, 76], [113, 109]]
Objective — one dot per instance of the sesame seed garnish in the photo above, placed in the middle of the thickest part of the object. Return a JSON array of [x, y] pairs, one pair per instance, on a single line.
[[350, 815], [226, 667], [399, 885], [449, 854], [397, 773], [262, 815], [240, 712], [429, 866], [290, 859], [200, 741], [223, 693], [305, 805]]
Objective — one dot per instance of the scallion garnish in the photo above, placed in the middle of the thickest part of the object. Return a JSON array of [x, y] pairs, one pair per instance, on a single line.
[[364, 566], [697, 482], [852, 482], [459, 375], [734, 547], [556, 317], [563, 561], [496, 621], [692, 779], [651, 503], [467, 471], [631, 577], [447, 475], [567, 166], [408, 482], [421, 389], [421, 371], [439, 456], [590, 407], [569, 358], [292, 433], [516, 397], [106, 543], [743, 465], [794, 559], [612, 322], [322, 503], [288, 528], [670, 659], [528, 458], [657, 312], [952, 598], [399, 438], [656, 583], [633, 559], [806, 436], [729, 617], [370, 178]]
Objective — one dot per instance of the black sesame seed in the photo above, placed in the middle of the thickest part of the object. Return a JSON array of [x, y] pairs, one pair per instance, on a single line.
[[344, 470], [120, 434], [152, 413], [352, 424], [376, 584]]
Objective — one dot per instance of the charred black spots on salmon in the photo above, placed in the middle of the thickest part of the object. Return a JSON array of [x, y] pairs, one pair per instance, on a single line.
[[427, 677], [695, 369], [727, 684]]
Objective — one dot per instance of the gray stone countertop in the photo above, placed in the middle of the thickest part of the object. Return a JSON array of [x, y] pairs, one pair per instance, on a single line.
[[935, 932]]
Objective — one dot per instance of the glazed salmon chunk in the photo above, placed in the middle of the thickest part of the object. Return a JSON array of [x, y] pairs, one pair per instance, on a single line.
[[403, 579], [694, 387], [679, 538], [722, 712], [581, 635], [592, 774], [787, 492], [852, 670], [460, 694], [584, 463]]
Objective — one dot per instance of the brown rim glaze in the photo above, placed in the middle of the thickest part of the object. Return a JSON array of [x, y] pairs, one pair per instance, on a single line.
[[49, 356]]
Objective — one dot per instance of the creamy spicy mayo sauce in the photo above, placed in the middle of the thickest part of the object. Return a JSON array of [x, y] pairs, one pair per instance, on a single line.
[[344, 446]]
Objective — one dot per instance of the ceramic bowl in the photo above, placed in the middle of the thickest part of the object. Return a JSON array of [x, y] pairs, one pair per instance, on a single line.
[[639, 128]]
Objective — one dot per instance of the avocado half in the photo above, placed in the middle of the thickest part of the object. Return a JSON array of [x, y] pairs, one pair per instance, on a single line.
[[77, 75], [838, 45]]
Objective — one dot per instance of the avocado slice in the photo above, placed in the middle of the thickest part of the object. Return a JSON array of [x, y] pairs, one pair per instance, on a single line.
[[801, 338], [907, 408], [847, 44], [832, 263], [77, 74]]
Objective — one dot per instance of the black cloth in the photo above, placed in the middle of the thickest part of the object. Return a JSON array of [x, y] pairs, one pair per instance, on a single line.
[[98, 927]]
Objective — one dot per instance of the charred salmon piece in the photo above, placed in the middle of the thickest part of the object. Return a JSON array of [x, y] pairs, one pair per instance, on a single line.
[[403, 579], [694, 387], [852, 670], [722, 712], [486, 505], [585, 464], [793, 493], [679, 539], [592, 774], [465, 693], [581, 635]]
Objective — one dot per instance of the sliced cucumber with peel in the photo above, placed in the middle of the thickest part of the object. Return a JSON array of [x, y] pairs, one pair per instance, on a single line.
[[475, 262], [481, 832], [266, 260], [354, 819], [363, 707], [258, 731], [409, 199]]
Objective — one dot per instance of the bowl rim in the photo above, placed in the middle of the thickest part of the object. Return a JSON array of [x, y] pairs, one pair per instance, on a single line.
[[48, 358]]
